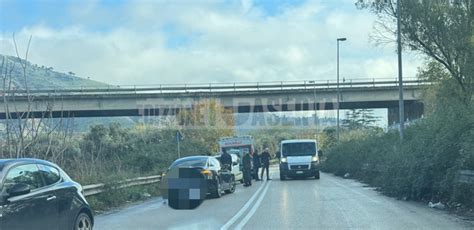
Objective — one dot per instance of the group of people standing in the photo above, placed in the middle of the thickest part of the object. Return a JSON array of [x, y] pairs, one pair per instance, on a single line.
[[252, 162]]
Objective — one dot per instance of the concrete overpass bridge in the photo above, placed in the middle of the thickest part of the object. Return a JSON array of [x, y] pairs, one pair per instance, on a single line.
[[162, 100]]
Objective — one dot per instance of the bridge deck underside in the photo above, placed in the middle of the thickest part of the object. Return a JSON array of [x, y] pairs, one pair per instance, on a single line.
[[243, 108], [152, 104]]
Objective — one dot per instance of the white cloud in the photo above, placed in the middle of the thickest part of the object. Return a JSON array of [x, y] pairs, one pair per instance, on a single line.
[[224, 44]]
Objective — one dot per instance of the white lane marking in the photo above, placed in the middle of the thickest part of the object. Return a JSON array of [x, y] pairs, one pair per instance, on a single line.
[[242, 210], [254, 208]]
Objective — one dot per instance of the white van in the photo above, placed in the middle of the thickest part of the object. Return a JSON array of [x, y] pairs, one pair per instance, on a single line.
[[299, 158]]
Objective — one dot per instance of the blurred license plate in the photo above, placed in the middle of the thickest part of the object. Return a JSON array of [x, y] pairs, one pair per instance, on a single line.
[[299, 172]]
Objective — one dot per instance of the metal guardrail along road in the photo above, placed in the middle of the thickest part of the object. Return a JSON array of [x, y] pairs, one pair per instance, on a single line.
[[221, 87], [466, 176], [95, 189]]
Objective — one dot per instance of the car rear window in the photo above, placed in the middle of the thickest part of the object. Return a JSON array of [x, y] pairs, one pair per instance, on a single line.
[[194, 162]]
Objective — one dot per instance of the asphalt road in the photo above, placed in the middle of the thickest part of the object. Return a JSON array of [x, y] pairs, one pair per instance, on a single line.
[[328, 203]]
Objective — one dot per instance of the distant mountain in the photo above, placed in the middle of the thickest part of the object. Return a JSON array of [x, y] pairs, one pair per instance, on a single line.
[[41, 77]]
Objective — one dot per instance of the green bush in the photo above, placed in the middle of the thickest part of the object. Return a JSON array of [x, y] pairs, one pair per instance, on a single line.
[[424, 167]]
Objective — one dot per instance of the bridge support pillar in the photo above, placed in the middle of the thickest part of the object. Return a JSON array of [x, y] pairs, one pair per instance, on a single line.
[[413, 111]]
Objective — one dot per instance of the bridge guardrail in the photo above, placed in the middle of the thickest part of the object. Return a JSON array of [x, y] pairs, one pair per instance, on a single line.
[[220, 87], [94, 189]]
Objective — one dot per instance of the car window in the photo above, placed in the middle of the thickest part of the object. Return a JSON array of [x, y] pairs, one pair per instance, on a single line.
[[27, 174], [215, 162], [193, 162], [50, 174], [211, 163]]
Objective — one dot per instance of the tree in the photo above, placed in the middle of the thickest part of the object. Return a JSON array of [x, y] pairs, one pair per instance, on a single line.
[[352, 120], [441, 89], [330, 136], [440, 29], [207, 121], [367, 118], [360, 119], [23, 130]]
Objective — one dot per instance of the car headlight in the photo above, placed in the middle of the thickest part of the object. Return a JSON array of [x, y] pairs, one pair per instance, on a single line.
[[283, 160], [314, 159]]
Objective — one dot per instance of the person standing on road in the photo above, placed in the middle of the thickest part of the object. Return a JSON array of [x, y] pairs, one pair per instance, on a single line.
[[226, 160], [247, 167], [265, 160], [256, 166]]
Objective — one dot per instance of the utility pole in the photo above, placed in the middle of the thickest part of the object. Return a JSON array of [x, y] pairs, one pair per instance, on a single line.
[[338, 40], [179, 138], [401, 106], [315, 105], [179, 153]]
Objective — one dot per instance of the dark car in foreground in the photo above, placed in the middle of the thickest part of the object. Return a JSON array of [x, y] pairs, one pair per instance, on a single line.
[[218, 180], [37, 194]]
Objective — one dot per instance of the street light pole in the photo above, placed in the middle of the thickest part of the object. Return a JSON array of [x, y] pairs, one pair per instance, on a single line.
[[401, 106], [338, 40], [315, 105]]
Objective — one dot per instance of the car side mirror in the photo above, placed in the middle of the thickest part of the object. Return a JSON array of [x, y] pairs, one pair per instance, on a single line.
[[18, 189], [278, 154], [320, 153]]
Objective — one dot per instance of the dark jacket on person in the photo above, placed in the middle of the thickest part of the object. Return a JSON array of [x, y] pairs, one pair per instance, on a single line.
[[265, 158], [256, 161], [247, 162], [226, 159]]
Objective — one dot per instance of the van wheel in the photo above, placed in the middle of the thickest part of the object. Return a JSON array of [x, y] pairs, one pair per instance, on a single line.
[[316, 176], [282, 176]]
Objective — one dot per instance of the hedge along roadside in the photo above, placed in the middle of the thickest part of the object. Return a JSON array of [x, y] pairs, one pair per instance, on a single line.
[[425, 168]]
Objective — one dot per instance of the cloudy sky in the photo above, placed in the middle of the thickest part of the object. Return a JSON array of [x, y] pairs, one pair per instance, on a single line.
[[199, 41]]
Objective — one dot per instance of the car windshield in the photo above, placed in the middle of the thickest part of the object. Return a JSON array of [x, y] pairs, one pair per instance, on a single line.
[[299, 149]]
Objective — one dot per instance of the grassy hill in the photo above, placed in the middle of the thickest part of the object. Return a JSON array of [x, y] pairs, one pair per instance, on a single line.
[[41, 77]]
